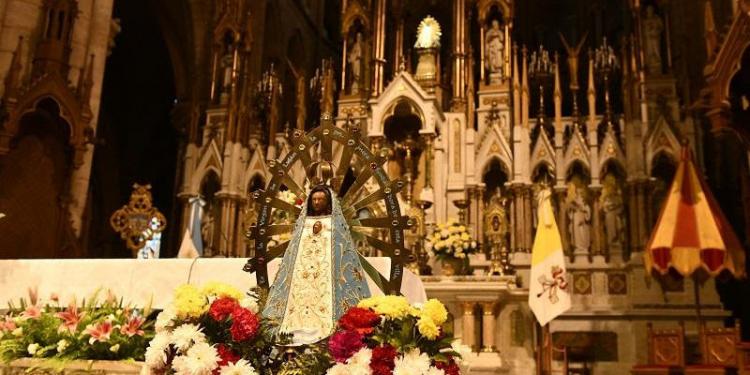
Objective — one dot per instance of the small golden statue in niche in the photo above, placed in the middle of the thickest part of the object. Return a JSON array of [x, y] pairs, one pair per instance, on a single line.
[[139, 222]]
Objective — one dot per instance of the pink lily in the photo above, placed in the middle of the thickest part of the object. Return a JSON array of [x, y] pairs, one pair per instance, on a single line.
[[99, 332], [8, 324], [31, 312], [70, 319], [132, 327]]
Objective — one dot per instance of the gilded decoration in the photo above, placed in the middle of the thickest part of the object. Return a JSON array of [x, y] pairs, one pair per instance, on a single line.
[[138, 221]]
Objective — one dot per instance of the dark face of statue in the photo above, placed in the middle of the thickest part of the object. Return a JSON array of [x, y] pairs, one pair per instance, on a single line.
[[495, 223], [319, 203]]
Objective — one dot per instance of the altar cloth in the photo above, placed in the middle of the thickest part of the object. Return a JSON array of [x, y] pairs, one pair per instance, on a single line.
[[138, 281]]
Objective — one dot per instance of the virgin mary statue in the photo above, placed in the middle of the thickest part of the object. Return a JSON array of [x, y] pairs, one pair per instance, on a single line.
[[320, 276]]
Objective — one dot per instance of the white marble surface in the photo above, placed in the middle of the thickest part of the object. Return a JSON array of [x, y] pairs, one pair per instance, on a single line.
[[139, 281]]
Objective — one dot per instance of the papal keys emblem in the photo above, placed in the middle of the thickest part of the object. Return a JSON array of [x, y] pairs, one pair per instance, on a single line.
[[550, 286]]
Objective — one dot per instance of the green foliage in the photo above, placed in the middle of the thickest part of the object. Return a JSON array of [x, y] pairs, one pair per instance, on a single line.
[[39, 331], [306, 360]]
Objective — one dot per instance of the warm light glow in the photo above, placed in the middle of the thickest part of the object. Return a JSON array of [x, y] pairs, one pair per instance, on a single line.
[[428, 33]]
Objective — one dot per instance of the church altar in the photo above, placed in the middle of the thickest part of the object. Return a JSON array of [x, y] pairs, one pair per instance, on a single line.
[[143, 281]]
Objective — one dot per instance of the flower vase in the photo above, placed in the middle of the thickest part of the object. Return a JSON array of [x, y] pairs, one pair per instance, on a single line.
[[453, 266]]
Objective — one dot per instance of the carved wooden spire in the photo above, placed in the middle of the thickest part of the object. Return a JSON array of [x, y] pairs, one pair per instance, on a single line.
[[85, 83], [524, 89], [711, 36], [13, 79]]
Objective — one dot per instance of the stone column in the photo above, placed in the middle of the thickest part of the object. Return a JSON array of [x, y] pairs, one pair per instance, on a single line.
[[468, 325], [379, 48], [645, 227], [458, 102], [519, 225], [94, 42], [562, 218], [480, 211], [398, 50], [598, 245], [488, 327], [527, 218], [632, 216], [512, 246]]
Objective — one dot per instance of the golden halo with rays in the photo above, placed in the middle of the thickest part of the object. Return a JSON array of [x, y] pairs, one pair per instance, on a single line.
[[353, 154]]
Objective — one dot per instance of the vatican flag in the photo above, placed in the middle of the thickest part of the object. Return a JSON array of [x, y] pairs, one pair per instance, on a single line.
[[549, 294]]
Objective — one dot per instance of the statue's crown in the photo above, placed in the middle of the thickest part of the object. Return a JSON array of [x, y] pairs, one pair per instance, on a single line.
[[321, 173]]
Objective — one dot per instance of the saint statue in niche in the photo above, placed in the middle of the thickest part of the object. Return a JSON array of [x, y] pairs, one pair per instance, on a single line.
[[494, 42], [613, 213], [320, 276], [355, 64], [653, 28], [579, 219]]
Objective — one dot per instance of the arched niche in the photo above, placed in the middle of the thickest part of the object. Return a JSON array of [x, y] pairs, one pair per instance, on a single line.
[[494, 177], [355, 61], [34, 187], [543, 173], [210, 228], [401, 130]]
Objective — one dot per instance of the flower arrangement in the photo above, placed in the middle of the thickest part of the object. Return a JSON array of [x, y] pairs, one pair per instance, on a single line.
[[97, 329], [210, 330], [451, 240], [386, 335]]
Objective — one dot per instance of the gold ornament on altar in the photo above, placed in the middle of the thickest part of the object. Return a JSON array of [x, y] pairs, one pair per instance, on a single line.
[[495, 229], [138, 221], [428, 33]]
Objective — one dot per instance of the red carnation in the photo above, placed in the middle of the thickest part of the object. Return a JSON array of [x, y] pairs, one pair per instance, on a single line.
[[222, 308], [344, 344], [245, 324], [360, 320], [226, 355], [383, 360], [450, 367]]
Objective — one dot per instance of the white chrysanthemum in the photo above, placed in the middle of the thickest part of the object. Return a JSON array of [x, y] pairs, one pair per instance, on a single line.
[[241, 367], [463, 350], [186, 335], [250, 303], [434, 371], [200, 359], [338, 369], [62, 345], [362, 357], [412, 363], [156, 356], [32, 348], [165, 319]]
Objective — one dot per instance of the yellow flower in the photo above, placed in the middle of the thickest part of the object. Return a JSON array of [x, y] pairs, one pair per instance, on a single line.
[[434, 310], [428, 328], [215, 288], [189, 302], [393, 307]]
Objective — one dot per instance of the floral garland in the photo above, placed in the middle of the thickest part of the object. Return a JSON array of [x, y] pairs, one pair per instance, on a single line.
[[452, 240], [91, 330], [210, 330], [386, 335]]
